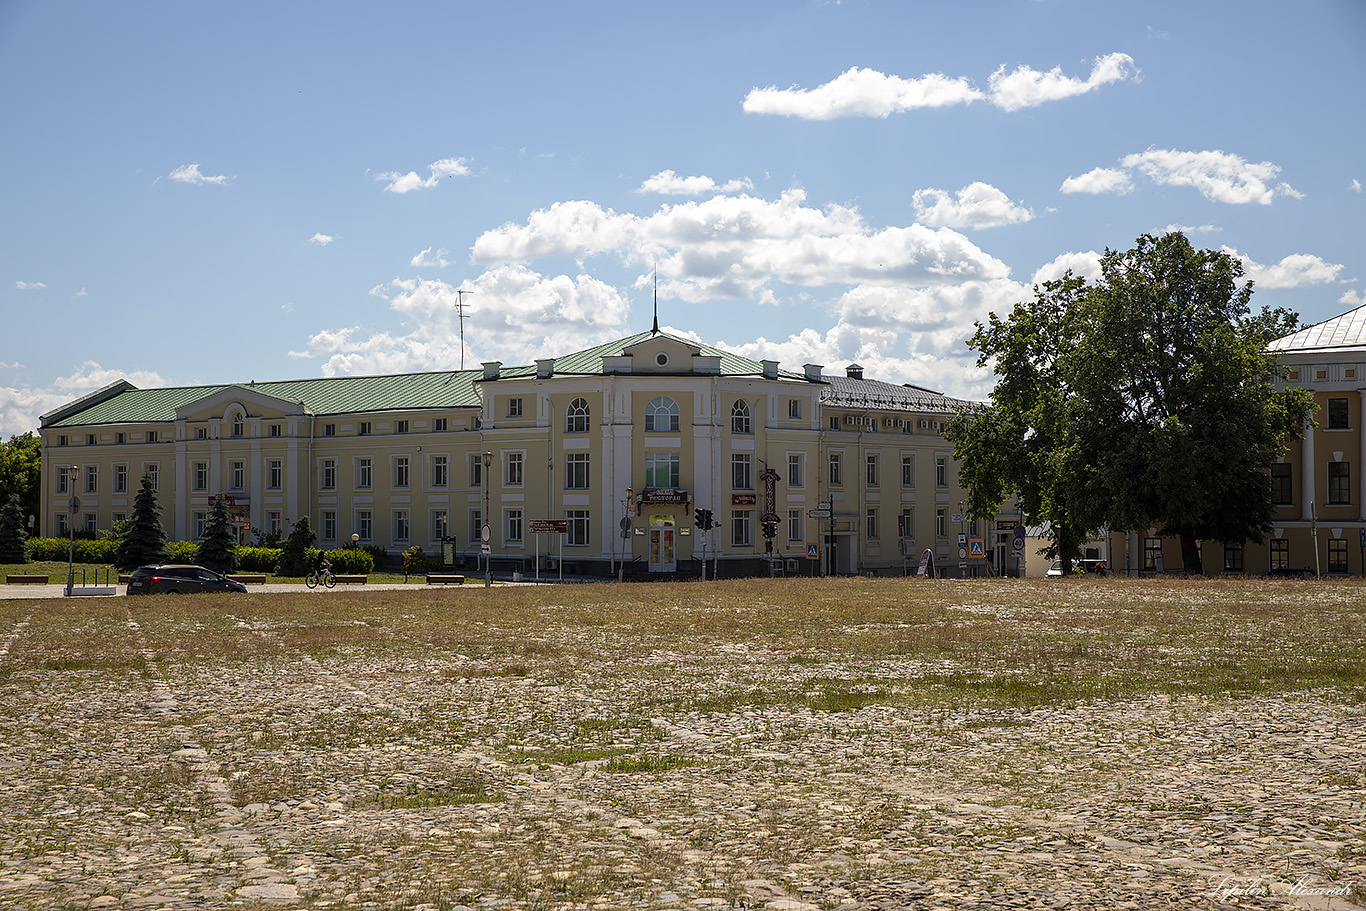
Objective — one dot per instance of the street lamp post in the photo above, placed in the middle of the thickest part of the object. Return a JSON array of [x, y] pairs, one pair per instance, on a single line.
[[488, 563], [74, 473]]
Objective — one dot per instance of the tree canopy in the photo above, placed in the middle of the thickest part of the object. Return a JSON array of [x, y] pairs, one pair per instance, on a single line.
[[144, 542], [21, 471], [1145, 398], [218, 548]]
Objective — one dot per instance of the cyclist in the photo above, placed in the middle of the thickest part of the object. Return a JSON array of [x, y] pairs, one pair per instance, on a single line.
[[321, 563]]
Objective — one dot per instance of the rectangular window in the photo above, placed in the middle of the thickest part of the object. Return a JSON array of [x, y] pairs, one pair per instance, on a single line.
[[329, 430], [476, 526], [513, 462], [275, 522], [61, 480], [329, 475], [1233, 557], [870, 470], [661, 469], [439, 471], [1280, 553], [237, 475], [476, 470], [941, 524], [400, 471], [576, 471], [1339, 483], [794, 409], [90, 440], [794, 527], [365, 525], [908, 471], [742, 527], [150, 437], [364, 478], [92, 478], [92, 522], [120, 479], [438, 425], [201, 523], [201, 433], [905, 523], [400, 526], [836, 470], [201, 475], [1337, 556], [61, 525], [514, 525], [941, 471], [439, 526], [1337, 415], [276, 430], [400, 426], [870, 524], [120, 438], [327, 523], [1282, 493], [576, 535], [834, 423], [514, 407], [152, 471], [1152, 551], [62, 440], [741, 472], [275, 474], [118, 517], [794, 470], [363, 429]]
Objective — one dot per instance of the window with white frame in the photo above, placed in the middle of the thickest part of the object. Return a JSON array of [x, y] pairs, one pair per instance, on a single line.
[[941, 471], [328, 480], [576, 417], [239, 424], [329, 430], [576, 471], [400, 526], [201, 433], [870, 469], [836, 470], [152, 472], [62, 479], [276, 430], [740, 418], [199, 473], [1339, 483], [576, 534], [327, 524], [512, 461], [512, 526], [275, 474], [907, 470], [476, 527], [439, 525], [741, 471], [742, 527], [661, 469], [794, 409], [941, 524], [438, 471], [905, 523], [794, 470], [237, 475], [118, 517], [363, 429], [61, 525], [794, 526], [364, 473], [120, 479], [476, 463], [92, 522], [439, 425], [92, 478], [400, 471], [365, 525], [201, 524], [514, 407], [661, 415], [275, 522], [870, 529], [400, 426]]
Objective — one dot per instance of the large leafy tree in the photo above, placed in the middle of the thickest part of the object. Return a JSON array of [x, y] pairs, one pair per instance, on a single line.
[[1163, 389], [218, 548], [144, 541], [21, 469]]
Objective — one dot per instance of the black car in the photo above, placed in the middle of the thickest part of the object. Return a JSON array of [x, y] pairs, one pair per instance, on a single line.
[[179, 579]]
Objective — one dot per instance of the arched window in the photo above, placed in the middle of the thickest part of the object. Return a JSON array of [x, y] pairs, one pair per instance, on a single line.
[[576, 418], [238, 424], [739, 418], [662, 415]]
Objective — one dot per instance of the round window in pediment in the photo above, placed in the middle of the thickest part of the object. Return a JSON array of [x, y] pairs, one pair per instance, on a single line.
[[661, 359]]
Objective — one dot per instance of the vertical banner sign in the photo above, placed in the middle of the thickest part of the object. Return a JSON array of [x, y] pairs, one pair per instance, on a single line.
[[770, 479]]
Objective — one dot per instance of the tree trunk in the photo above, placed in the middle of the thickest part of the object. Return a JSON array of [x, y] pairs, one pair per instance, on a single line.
[[1190, 554]]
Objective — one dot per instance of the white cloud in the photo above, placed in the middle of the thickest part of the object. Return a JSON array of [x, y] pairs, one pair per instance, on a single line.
[[862, 92], [427, 260], [189, 173], [978, 205], [30, 286], [1027, 88], [405, 183], [15, 366], [1352, 299], [1219, 176], [1083, 265], [321, 240], [1191, 229], [1099, 180], [1355, 185], [81, 293], [668, 183], [20, 406], [1298, 270]]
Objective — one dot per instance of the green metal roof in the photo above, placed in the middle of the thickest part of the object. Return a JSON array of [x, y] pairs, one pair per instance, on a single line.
[[589, 360]]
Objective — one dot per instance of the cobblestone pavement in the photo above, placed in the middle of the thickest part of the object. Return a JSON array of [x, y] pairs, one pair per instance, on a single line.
[[229, 762]]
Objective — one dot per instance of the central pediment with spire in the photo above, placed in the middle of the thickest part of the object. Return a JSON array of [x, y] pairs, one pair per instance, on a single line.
[[660, 354]]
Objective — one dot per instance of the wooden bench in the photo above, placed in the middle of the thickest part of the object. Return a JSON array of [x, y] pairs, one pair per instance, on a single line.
[[350, 580], [26, 579], [248, 578], [125, 578], [445, 579]]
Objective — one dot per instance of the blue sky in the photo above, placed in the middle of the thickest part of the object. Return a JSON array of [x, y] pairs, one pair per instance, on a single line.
[[205, 193]]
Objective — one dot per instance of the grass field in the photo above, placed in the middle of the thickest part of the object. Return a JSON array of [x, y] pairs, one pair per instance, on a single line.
[[793, 744]]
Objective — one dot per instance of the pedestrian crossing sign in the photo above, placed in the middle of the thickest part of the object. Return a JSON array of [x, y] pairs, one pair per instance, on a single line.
[[813, 551], [977, 548]]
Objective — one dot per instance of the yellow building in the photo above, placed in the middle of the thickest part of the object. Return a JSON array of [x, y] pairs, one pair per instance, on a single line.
[[594, 458]]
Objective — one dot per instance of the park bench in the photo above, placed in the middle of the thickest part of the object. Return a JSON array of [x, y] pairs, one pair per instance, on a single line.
[[26, 579], [445, 579], [248, 578], [350, 580]]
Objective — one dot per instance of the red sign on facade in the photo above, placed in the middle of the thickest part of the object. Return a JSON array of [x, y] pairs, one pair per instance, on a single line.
[[665, 495], [742, 499]]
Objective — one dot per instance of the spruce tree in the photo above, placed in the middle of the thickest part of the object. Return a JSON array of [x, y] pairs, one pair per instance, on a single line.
[[12, 532], [218, 548], [145, 540], [294, 555]]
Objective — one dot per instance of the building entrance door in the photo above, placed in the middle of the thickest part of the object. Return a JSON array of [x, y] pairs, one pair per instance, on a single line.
[[662, 559]]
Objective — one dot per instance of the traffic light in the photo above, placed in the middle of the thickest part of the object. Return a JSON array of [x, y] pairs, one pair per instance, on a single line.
[[701, 520], [770, 528]]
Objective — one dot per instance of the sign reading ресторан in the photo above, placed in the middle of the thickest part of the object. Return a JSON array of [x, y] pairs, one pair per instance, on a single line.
[[664, 495]]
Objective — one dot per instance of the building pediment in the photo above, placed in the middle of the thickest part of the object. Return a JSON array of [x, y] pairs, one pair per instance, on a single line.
[[661, 354], [244, 399]]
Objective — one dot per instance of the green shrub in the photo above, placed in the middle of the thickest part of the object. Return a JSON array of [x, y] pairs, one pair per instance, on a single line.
[[352, 561], [55, 550], [184, 551], [415, 561], [257, 559], [377, 555], [46, 550]]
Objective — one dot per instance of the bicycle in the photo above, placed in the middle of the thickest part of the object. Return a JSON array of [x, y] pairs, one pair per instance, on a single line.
[[326, 577]]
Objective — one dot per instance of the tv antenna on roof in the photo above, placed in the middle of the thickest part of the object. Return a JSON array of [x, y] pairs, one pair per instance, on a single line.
[[460, 312]]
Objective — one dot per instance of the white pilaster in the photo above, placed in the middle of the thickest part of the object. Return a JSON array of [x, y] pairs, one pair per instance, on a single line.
[[1307, 468]]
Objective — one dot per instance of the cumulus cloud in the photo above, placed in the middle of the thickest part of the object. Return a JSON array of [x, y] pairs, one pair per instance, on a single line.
[[30, 286], [406, 183], [189, 173], [1099, 180], [862, 92], [20, 406], [428, 259], [321, 240], [1026, 88], [667, 183], [1355, 185], [1352, 299], [1191, 229], [978, 205], [1083, 265], [1298, 270]]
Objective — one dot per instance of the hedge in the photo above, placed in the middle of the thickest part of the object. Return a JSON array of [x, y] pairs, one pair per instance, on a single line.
[[257, 559], [56, 550]]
